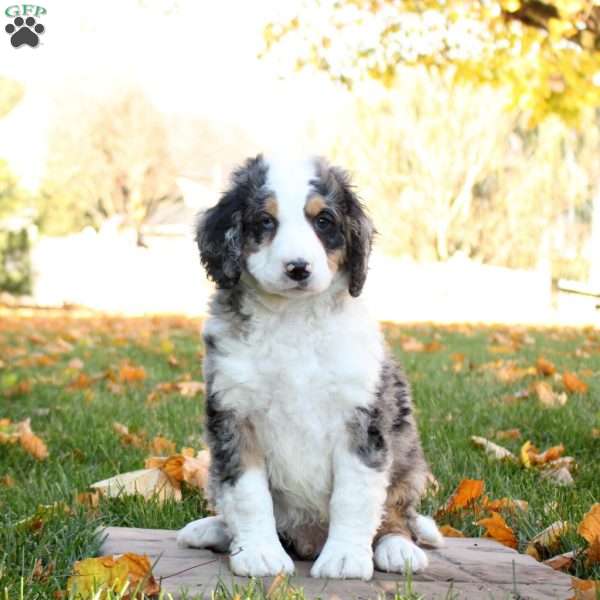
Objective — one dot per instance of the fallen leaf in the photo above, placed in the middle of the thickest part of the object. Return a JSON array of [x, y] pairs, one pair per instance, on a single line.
[[506, 504], [494, 450], [545, 367], [173, 361], [589, 528], [130, 373], [76, 363], [573, 384], [547, 541], [162, 446], [547, 396], [467, 492], [411, 344], [531, 456], [192, 470], [592, 554], [148, 483], [561, 476], [434, 346], [128, 438], [508, 434], [585, 589], [496, 528], [596, 432], [561, 562], [190, 388], [81, 382], [43, 513], [129, 573], [448, 531]]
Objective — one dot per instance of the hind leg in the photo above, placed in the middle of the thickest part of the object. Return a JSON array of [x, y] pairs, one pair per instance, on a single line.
[[210, 532]]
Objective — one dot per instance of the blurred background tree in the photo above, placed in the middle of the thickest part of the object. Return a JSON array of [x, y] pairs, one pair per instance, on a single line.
[[108, 158], [15, 266], [473, 121]]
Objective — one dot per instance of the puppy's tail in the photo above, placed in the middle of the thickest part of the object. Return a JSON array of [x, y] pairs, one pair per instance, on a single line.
[[426, 532]]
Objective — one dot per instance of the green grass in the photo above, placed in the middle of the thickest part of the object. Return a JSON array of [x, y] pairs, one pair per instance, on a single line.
[[76, 424]]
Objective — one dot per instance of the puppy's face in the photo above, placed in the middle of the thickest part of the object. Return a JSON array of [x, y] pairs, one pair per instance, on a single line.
[[292, 226]]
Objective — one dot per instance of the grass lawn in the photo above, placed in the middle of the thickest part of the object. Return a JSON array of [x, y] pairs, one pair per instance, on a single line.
[[74, 415]]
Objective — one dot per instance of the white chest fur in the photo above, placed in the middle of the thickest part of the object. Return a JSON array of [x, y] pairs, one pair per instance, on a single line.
[[297, 375]]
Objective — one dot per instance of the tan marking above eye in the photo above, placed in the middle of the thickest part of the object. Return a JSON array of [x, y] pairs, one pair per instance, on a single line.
[[314, 205], [271, 206]]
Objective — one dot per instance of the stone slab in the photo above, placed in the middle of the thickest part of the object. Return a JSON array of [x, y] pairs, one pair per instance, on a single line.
[[465, 569]]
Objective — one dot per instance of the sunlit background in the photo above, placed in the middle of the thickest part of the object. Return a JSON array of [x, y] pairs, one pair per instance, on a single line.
[[471, 130]]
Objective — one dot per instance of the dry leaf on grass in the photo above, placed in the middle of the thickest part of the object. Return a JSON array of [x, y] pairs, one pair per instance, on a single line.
[[531, 456], [547, 541], [41, 572], [547, 396], [448, 531], [88, 499], [589, 529], [561, 562], [184, 467], [467, 492], [148, 483], [128, 438], [129, 373], [7, 481], [162, 446], [508, 434], [560, 476], [494, 450], [128, 573], [585, 589], [12, 433], [544, 367], [411, 344], [190, 388], [496, 528], [573, 384], [42, 514], [505, 504]]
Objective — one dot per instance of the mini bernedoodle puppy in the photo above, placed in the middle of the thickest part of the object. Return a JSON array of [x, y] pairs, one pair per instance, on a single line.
[[309, 419]]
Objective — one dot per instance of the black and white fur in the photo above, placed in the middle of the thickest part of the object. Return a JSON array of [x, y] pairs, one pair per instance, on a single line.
[[309, 420]]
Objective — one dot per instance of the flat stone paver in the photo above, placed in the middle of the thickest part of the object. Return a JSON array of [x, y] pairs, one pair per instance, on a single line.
[[468, 568]]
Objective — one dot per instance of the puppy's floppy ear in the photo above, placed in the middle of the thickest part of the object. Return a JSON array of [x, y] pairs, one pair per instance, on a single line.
[[220, 229], [219, 238], [359, 234]]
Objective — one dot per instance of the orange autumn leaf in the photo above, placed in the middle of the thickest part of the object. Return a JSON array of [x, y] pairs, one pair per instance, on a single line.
[[547, 541], [81, 382], [592, 554], [117, 573], [508, 434], [562, 562], [496, 528], [544, 367], [466, 493], [573, 384], [162, 446], [589, 528], [585, 589], [547, 396], [130, 373], [505, 504], [448, 531], [30, 442]]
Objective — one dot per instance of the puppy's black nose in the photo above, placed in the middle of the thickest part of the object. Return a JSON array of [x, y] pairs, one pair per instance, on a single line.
[[298, 270]]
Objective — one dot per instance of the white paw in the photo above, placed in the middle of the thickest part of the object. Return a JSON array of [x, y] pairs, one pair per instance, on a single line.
[[260, 560], [210, 532], [427, 532], [397, 554], [344, 561]]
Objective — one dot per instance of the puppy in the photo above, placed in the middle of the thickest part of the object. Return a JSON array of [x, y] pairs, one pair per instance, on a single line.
[[309, 419]]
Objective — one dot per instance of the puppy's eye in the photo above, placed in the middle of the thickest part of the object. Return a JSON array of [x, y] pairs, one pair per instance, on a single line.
[[267, 222], [324, 221]]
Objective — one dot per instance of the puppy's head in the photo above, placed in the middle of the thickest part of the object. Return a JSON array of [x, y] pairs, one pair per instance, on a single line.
[[293, 226]]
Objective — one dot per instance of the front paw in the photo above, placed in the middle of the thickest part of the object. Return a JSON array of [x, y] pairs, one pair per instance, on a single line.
[[210, 532], [344, 561], [397, 554], [260, 560]]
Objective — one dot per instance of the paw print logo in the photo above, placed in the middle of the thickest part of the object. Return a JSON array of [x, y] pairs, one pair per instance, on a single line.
[[24, 31]]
